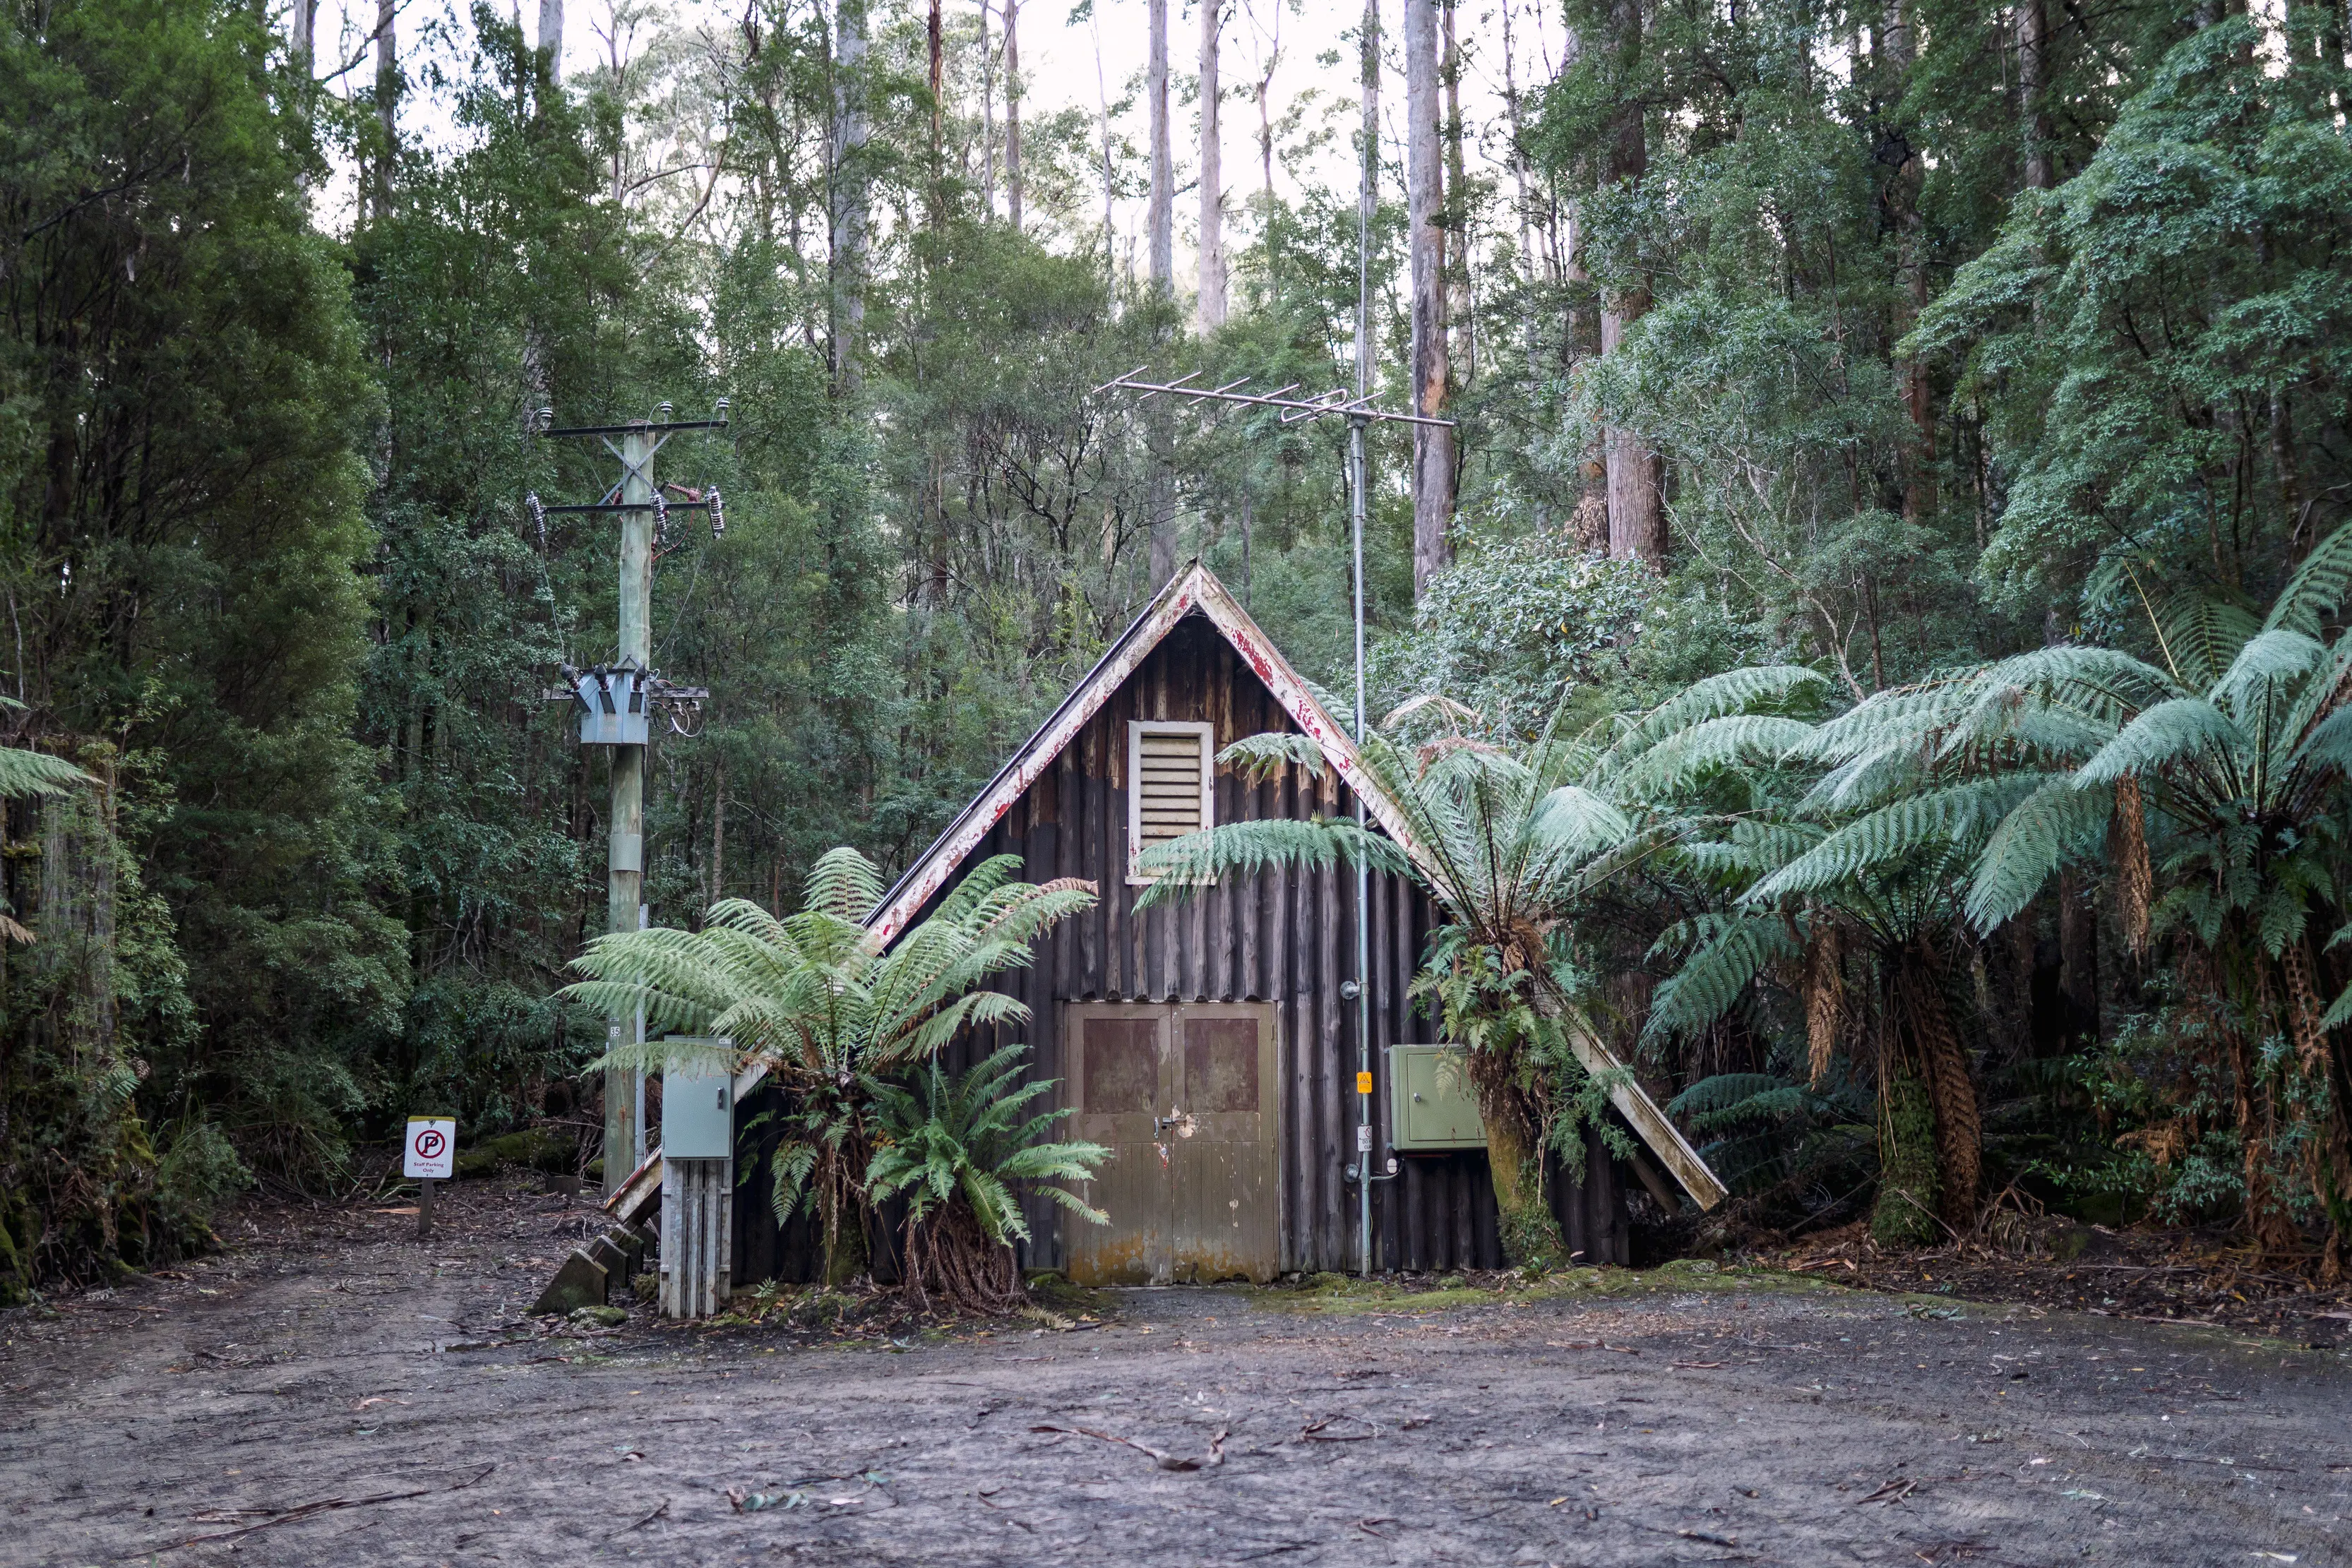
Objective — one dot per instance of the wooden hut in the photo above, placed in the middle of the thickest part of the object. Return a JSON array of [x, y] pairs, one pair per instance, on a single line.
[[1211, 1041]]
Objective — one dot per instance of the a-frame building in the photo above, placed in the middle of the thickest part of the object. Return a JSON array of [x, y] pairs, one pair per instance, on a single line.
[[1207, 1039]]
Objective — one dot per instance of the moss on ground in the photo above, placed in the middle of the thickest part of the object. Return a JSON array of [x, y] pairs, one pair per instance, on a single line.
[[1343, 1293]]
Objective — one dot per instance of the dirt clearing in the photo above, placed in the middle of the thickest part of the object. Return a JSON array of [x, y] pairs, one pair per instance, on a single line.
[[340, 1393]]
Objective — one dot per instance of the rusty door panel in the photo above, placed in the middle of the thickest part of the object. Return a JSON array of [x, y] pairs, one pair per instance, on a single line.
[[1227, 1198], [1118, 1078], [1188, 1100]]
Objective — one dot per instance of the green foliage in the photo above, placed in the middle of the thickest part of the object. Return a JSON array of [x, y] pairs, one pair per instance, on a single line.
[[832, 1016], [963, 1139]]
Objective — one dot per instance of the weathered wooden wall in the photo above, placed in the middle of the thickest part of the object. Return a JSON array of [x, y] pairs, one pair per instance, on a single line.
[[1283, 937]]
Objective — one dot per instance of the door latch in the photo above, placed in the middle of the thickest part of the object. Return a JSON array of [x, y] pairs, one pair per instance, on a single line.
[[1182, 1121]]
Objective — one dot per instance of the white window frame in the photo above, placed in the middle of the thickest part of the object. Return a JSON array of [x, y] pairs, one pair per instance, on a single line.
[[1137, 729]]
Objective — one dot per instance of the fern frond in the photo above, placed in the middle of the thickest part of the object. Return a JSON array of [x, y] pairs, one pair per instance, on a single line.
[[2201, 635], [24, 773], [1736, 691], [1258, 758], [1735, 949], [2171, 734], [2266, 665], [2060, 821], [1713, 745], [1180, 867], [1957, 815], [2318, 588]]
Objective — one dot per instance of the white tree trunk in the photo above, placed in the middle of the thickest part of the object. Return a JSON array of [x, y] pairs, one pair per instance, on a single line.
[[1212, 310], [848, 193], [550, 36], [1432, 446], [1159, 215], [1013, 112]]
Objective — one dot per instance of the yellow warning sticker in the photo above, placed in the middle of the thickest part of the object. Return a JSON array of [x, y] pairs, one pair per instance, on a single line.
[[1363, 1083]]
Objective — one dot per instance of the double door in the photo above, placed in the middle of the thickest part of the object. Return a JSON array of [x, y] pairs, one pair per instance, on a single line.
[[1187, 1097]]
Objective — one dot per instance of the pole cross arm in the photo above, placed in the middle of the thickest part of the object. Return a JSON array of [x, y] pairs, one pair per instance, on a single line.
[[632, 507], [543, 425]]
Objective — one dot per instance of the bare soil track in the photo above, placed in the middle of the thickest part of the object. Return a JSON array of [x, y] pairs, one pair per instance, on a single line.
[[310, 1397]]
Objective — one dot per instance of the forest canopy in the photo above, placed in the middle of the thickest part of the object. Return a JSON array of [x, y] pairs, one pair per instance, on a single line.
[[1918, 424]]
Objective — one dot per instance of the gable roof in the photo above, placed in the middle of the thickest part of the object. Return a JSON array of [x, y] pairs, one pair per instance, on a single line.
[[1196, 588]]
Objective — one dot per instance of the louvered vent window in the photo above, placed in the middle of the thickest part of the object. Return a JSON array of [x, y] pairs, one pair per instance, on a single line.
[[1170, 773]]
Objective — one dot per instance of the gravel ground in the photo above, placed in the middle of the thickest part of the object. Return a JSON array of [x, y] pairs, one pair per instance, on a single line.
[[309, 1397]]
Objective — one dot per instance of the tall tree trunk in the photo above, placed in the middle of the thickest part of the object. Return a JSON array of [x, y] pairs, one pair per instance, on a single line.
[[937, 46], [551, 36], [1102, 109], [1159, 220], [302, 51], [1433, 445], [1159, 215], [387, 104], [1210, 311], [1899, 49], [1634, 475], [1462, 354], [2032, 81], [1013, 113], [1524, 203], [987, 121], [1266, 117], [848, 212]]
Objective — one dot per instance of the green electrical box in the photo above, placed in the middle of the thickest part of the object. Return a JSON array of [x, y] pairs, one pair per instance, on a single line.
[[1430, 1105]]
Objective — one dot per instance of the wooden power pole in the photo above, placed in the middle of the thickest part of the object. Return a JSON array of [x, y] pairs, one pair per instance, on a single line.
[[615, 703]]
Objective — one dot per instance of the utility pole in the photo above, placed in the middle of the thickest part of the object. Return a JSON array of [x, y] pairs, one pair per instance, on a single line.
[[615, 703]]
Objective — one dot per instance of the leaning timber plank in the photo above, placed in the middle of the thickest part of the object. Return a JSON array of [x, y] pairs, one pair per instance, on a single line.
[[1665, 1140], [636, 1197]]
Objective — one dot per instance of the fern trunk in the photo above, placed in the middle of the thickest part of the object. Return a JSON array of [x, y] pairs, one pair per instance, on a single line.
[[1528, 1230], [1951, 1086]]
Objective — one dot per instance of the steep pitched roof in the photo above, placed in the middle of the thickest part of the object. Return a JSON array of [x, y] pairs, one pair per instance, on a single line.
[[1197, 588]]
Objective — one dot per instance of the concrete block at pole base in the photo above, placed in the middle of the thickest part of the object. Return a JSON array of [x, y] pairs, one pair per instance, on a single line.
[[632, 1244], [609, 1258], [582, 1282]]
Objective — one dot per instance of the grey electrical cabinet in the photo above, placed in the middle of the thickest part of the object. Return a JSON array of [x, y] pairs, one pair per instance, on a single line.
[[1430, 1105], [698, 1106]]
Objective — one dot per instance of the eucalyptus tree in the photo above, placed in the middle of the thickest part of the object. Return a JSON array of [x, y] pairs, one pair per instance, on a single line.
[[827, 1009]]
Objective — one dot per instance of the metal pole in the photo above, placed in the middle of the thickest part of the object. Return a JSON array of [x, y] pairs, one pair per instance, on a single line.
[[626, 878], [1363, 880], [1360, 473]]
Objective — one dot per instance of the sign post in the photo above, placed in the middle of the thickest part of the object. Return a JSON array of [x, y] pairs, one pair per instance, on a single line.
[[430, 1156]]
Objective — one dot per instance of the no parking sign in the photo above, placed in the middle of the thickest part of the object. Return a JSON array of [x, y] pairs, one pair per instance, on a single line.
[[432, 1149]]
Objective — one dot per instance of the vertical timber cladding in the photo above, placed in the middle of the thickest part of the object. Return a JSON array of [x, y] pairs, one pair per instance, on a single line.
[[1284, 939]]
